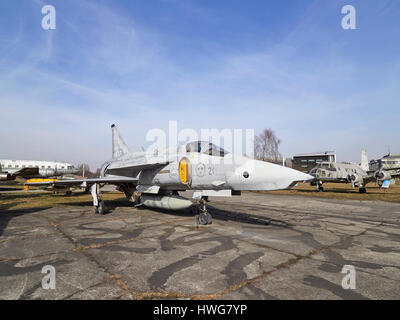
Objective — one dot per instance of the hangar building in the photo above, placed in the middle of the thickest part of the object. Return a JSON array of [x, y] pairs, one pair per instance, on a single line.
[[306, 161], [389, 162]]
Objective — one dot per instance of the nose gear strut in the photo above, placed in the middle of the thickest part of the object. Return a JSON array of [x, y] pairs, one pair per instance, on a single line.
[[98, 202]]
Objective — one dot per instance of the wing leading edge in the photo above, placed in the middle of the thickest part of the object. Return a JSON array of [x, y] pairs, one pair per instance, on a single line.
[[132, 170]]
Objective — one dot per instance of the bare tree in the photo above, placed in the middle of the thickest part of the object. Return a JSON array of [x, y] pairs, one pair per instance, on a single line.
[[97, 173], [84, 170], [266, 146]]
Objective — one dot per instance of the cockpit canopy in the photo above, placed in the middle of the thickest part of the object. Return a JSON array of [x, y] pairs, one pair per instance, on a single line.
[[206, 148], [326, 165], [323, 165]]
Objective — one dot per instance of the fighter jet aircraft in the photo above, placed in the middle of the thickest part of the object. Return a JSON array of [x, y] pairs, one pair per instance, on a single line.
[[357, 175], [153, 179]]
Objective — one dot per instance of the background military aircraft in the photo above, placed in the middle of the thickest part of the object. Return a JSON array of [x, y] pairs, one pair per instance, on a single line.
[[357, 175], [153, 179], [10, 169]]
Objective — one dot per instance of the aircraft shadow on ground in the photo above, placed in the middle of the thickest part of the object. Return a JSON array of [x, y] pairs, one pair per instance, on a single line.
[[10, 189], [217, 214], [346, 191], [226, 215], [8, 196]]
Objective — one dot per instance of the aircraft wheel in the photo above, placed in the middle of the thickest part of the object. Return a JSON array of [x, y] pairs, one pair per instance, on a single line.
[[202, 219], [362, 190], [321, 189], [68, 193], [95, 209], [209, 219]]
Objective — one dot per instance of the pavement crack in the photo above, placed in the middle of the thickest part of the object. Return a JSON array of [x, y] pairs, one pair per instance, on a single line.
[[115, 278]]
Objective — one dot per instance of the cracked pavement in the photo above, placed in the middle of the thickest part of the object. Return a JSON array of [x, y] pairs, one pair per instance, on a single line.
[[260, 246]]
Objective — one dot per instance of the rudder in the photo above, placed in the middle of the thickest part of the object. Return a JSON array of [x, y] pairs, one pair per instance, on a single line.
[[364, 160]]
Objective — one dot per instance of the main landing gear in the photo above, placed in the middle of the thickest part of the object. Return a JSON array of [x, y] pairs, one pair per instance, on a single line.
[[202, 216], [320, 188], [98, 202]]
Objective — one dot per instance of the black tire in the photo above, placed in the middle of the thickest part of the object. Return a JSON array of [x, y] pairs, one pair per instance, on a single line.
[[95, 210], [209, 219], [202, 219]]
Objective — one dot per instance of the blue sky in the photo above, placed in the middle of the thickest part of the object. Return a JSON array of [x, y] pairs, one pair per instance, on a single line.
[[283, 64]]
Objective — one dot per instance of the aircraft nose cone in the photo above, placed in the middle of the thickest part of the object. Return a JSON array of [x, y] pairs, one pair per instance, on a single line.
[[291, 177], [260, 175], [301, 176]]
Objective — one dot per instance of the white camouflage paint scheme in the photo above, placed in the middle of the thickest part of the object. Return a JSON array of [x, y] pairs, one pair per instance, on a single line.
[[155, 173], [222, 173]]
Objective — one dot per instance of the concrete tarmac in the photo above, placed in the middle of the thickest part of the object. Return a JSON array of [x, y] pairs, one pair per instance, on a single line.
[[260, 246]]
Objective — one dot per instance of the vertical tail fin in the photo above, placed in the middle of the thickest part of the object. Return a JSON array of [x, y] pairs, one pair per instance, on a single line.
[[119, 148], [364, 160]]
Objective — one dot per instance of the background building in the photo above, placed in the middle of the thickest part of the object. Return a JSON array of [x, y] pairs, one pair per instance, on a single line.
[[306, 161]]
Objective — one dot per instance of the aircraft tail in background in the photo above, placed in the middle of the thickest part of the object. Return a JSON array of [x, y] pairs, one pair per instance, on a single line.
[[119, 148], [364, 160]]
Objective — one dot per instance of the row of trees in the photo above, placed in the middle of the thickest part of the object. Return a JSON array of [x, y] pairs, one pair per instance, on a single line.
[[84, 171]]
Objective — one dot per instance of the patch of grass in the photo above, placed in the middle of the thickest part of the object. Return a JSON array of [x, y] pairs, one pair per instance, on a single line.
[[8, 186], [344, 191], [20, 200]]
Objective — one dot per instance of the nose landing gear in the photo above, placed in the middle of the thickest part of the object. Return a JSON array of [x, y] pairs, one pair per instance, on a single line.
[[202, 216]]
